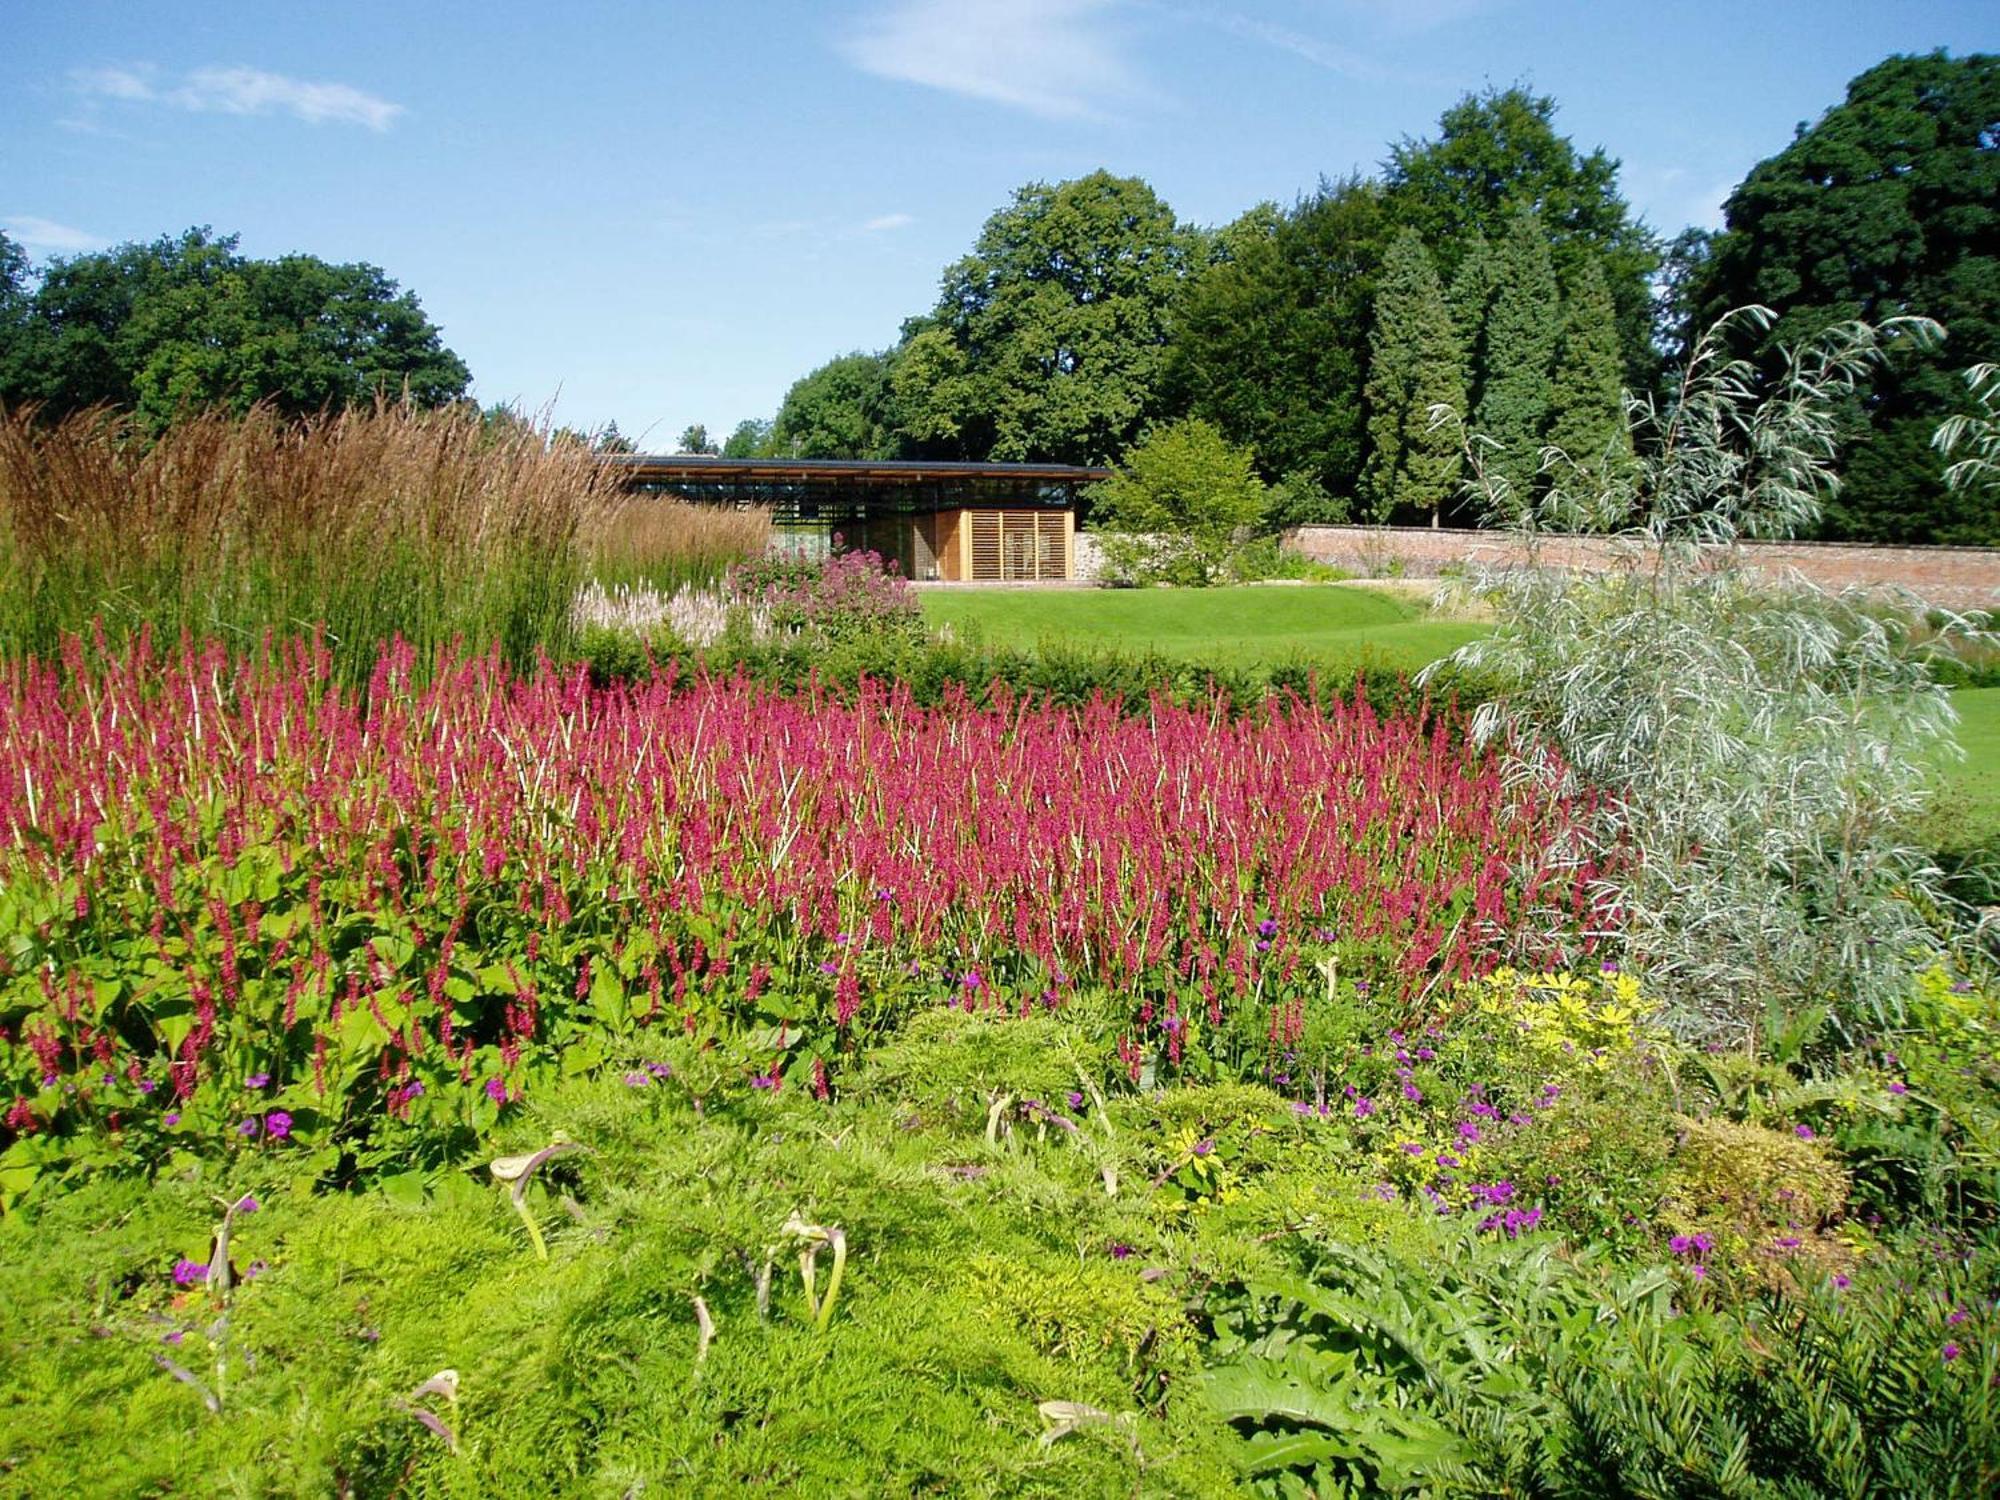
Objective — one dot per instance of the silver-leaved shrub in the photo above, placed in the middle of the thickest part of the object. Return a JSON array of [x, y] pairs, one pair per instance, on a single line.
[[1762, 747]]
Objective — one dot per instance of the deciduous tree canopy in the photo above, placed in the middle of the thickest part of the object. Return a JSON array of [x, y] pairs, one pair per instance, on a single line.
[[188, 322], [1888, 204], [1049, 339]]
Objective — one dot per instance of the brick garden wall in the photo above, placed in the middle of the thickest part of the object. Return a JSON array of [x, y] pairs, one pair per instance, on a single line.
[[1955, 577]]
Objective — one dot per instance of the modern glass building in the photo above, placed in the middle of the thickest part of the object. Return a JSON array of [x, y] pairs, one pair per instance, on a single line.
[[955, 522]]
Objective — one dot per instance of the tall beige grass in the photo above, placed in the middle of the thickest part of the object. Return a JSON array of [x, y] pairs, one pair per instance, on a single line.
[[369, 523], [665, 544]]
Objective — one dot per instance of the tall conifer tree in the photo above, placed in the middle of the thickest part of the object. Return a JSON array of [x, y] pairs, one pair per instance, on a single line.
[[1471, 299], [1413, 367], [1587, 396], [1522, 332]]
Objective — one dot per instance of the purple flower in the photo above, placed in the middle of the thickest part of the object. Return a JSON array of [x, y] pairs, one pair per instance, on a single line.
[[1267, 928], [765, 1080], [1950, 1352], [173, 1338], [247, 1204], [1468, 1132], [496, 1090], [972, 981], [1425, 1054], [278, 1124], [1414, 1094], [637, 1080], [1204, 1147], [1788, 1242], [1841, 1281], [171, 1118], [1363, 1108], [255, 1269], [1897, 1086], [189, 1272], [1412, 1148], [1446, 1159], [1120, 1251], [660, 1069], [1803, 1132], [256, 1080], [146, 1085], [1076, 1099], [828, 967], [1956, 1316], [249, 1127]]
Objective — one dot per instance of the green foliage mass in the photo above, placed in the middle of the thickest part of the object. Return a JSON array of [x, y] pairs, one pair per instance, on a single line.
[[840, 410], [1888, 204], [1587, 395], [1518, 352], [1184, 496], [1272, 340], [1413, 367], [1498, 152], [1055, 328], [183, 323], [1229, 1287]]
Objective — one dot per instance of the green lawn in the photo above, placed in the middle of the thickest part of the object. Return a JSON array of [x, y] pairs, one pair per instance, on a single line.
[[1242, 626], [1969, 800]]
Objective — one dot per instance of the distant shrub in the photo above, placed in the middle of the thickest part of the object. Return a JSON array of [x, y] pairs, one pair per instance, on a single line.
[[1179, 505], [845, 596]]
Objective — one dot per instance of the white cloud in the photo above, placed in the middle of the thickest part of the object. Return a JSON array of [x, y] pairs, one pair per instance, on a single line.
[[1052, 58], [887, 222], [1417, 15], [1312, 49], [240, 91], [47, 236]]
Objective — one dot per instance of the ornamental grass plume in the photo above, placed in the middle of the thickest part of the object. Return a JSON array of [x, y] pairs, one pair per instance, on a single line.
[[372, 523]]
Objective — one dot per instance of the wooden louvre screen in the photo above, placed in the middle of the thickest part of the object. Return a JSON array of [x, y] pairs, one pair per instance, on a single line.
[[1017, 545], [986, 544]]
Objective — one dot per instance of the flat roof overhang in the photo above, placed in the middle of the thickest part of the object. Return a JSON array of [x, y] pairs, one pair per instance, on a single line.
[[650, 468]]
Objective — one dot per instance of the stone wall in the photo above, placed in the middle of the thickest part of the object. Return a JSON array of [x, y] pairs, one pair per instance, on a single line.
[[1955, 577]]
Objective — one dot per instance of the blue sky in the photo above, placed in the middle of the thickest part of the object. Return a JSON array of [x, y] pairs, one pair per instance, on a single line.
[[664, 213]]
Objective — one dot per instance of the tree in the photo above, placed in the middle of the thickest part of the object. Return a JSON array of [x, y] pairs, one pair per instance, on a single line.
[[16, 305], [1413, 366], [1888, 204], [1471, 300], [1181, 499], [1272, 343], [1587, 395], [1054, 330], [180, 323], [1678, 289], [611, 440], [695, 440], [751, 439], [1520, 339], [1499, 151], [840, 410]]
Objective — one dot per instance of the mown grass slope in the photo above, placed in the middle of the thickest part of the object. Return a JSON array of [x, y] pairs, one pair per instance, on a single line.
[[1243, 626]]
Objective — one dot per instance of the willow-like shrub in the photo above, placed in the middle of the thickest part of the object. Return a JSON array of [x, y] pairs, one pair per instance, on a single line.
[[1763, 743]]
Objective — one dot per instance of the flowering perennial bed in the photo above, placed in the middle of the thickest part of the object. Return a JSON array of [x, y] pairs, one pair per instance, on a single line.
[[241, 906]]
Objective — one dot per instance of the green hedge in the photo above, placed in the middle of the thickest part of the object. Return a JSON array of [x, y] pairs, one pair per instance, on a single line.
[[936, 671]]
